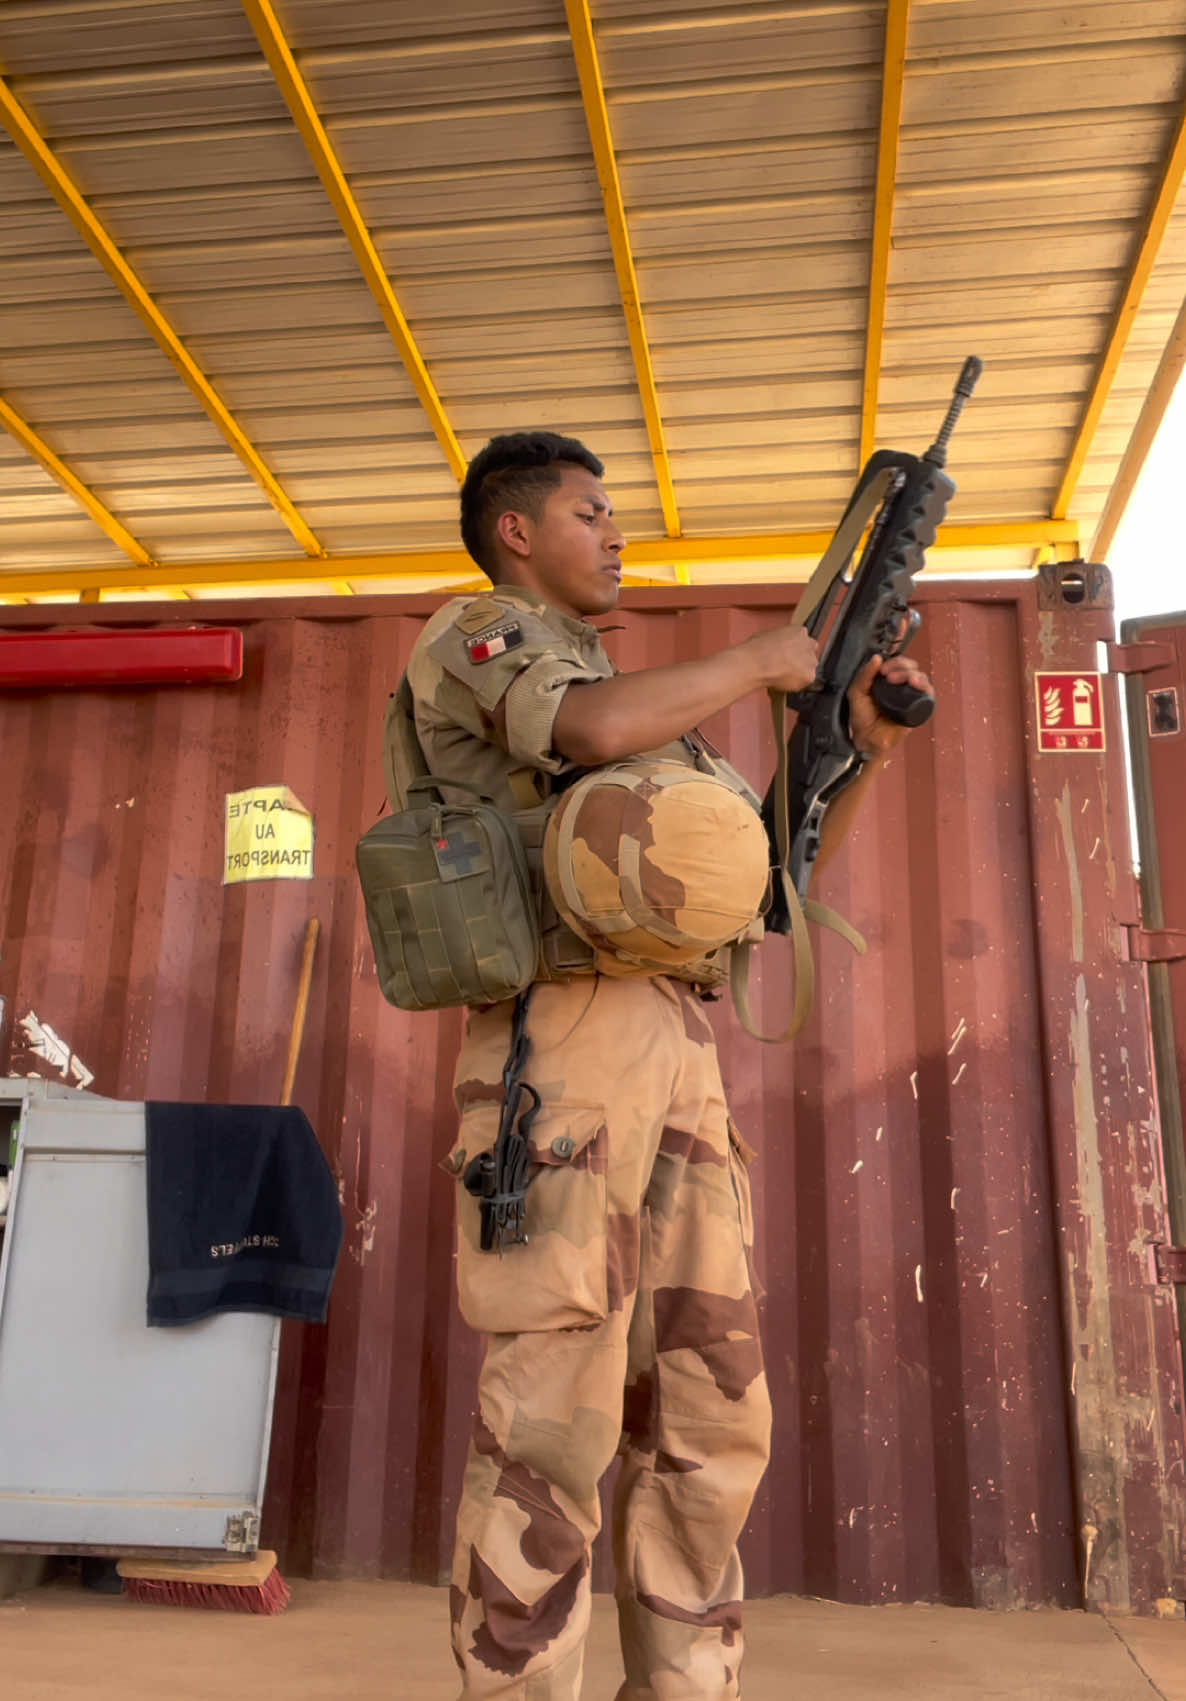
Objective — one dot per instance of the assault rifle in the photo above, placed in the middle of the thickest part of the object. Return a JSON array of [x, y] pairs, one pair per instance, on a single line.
[[856, 614]]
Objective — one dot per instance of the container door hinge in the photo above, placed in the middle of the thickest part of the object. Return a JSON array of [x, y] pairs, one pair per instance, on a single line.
[[1155, 944], [1170, 1264], [1141, 657], [242, 1533]]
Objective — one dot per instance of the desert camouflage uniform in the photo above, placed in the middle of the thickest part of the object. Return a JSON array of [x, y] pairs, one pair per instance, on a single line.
[[627, 1323]]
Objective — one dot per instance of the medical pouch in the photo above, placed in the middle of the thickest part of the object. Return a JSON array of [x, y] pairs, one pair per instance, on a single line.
[[448, 902]]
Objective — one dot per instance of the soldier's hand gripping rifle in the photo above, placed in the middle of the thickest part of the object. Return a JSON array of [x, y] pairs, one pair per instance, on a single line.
[[856, 614]]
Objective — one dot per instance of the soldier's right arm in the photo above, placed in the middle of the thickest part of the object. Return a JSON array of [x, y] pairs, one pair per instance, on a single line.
[[608, 719]]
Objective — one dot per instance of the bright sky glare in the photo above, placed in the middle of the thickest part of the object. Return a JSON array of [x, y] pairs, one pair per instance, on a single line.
[[1148, 554]]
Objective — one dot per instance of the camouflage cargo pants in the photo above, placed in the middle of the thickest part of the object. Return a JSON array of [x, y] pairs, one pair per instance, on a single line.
[[627, 1324]]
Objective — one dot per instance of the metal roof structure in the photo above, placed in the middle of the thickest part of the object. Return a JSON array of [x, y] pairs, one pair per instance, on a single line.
[[272, 274]]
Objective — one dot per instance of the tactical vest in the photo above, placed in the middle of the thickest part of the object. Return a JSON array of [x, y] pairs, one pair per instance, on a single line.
[[457, 902]]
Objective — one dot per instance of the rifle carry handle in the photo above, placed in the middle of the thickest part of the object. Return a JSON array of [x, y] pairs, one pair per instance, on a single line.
[[902, 703]]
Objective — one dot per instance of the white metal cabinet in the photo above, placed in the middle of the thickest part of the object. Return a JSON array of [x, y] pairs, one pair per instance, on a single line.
[[114, 1435]]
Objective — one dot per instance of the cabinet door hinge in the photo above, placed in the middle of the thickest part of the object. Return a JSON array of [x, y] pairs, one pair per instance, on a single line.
[[242, 1533]]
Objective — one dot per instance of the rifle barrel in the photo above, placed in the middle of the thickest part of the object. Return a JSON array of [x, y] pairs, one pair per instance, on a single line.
[[964, 385]]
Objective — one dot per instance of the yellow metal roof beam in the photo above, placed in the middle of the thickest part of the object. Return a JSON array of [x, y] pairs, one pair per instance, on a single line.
[[645, 554], [305, 116], [1165, 381], [94, 233], [897, 20], [584, 47], [1138, 281], [82, 494]]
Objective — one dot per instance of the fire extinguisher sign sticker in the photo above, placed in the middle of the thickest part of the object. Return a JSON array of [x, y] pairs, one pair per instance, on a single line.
[[1070, 713]]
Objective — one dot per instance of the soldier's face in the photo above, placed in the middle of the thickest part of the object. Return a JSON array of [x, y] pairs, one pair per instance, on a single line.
[[574, 549]]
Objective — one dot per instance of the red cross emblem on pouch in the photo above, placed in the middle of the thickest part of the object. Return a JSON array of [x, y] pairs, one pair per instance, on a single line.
[[1070, 713]]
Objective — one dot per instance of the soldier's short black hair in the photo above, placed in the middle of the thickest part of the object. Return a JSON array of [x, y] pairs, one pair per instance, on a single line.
[[515, 473]]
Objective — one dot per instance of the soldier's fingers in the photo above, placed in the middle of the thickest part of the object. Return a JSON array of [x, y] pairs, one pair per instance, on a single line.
[[900, 670], [864, 679]]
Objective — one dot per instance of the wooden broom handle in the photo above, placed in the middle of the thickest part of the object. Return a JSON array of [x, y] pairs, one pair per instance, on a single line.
[[302, 1007]]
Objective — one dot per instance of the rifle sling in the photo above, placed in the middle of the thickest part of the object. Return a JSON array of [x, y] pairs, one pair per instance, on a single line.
[[803, 958], [845, 539], [835, 558]]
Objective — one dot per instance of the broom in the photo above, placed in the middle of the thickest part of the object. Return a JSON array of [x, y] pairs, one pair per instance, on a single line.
[[232, 1585]]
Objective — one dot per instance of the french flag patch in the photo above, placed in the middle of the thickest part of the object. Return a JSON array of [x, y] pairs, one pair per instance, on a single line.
[[487, 645]]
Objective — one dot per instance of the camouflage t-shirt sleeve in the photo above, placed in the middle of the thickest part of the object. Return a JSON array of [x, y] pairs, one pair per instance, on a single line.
[[516, 662]]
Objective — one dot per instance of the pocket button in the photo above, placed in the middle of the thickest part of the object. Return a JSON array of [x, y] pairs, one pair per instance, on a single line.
[[562, 1146]]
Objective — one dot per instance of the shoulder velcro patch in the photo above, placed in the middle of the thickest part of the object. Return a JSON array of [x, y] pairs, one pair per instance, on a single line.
[[484, 646], [480, 614]]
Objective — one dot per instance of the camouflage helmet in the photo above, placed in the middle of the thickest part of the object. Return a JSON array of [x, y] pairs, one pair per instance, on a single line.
[[655, 864]]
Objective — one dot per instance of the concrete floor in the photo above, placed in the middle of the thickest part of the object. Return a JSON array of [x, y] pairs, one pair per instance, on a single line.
[[387, 1642]]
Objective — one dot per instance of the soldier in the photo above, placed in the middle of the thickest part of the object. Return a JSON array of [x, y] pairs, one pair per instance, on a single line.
[[627, 1324]]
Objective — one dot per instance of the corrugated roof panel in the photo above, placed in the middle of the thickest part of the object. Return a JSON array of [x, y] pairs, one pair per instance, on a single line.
[[396, 74], [124, 168], [39, 522], [675, 170], [1047, 143], [1015, 86], [577, 240], [1012, 203], [491, 212], [85, 355], [461, 134], [168, 95], [717, 45], [318, 25], [771, 104], [259, 342], [224, 214], [1083, 190], [746, 138], [955, 28], [721, 227], [38, 34]]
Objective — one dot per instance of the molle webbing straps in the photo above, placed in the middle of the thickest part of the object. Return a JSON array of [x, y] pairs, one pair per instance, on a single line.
[[403, 759]]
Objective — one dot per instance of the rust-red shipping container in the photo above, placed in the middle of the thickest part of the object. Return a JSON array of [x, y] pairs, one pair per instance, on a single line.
[[975, 1370], [1153, 657]]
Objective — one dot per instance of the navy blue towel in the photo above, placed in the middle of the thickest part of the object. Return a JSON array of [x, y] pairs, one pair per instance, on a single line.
[[243, 1213]]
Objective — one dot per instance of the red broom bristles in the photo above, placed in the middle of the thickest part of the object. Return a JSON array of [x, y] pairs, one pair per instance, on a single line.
[[268, 1598]]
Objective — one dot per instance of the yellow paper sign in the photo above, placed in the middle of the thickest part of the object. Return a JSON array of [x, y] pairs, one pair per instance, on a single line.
[[269, 836]]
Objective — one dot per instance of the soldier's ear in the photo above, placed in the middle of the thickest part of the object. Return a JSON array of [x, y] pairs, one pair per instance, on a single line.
[[512, 530]]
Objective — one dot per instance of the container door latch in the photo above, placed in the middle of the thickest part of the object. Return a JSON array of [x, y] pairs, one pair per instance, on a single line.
[[1142, 657], [1170, 1264], [1155, 944]]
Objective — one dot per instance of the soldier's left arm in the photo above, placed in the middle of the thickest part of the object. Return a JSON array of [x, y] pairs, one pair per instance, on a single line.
[[875, 736]]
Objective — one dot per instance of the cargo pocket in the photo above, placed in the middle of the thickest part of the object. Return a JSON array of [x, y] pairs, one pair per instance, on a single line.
[[741, 1156], [558, 1280]]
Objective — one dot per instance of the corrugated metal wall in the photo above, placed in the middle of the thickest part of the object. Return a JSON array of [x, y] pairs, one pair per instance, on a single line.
[[927, 1231]]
